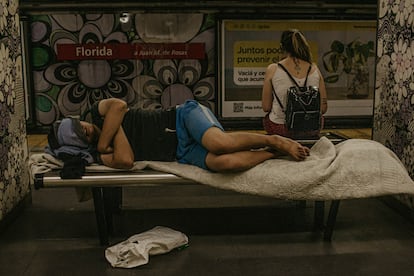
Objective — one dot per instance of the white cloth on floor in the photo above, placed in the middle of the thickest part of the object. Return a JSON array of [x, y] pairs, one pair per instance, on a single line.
[[135, 251]]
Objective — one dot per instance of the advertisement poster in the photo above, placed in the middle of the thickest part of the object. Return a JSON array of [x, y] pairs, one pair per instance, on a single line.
[[343, 50]]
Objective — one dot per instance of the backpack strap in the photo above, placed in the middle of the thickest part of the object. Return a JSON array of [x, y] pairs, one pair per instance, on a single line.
[[290, 76], [277, 98]]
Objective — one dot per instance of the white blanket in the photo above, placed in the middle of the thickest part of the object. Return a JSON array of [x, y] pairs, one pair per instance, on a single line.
[[355, 168]]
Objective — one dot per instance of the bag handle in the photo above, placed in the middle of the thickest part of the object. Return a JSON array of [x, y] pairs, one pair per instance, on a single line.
[[290, 76]]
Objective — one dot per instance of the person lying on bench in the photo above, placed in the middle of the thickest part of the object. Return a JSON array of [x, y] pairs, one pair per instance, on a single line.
[[194, 136]]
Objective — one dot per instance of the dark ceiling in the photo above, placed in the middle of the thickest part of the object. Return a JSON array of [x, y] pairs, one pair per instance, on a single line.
[[355, 9]]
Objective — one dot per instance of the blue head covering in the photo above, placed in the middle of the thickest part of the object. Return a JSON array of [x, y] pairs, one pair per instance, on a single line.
[[71, 141], [68, 134]]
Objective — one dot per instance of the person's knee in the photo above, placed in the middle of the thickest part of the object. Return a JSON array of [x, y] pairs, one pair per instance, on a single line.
[[219, 146], [217, 142]]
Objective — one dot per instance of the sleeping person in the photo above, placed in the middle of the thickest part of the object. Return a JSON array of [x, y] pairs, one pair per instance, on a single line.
[[189, 134]]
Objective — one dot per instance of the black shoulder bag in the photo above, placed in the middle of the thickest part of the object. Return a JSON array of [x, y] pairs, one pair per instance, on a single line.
[[303, 105]]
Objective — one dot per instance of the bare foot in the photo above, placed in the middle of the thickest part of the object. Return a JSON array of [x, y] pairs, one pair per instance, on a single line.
[[291, 147]]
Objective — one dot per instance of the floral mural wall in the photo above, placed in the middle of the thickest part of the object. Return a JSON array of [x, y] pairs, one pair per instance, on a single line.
[[69, 87], [14, 180], [394, 92]]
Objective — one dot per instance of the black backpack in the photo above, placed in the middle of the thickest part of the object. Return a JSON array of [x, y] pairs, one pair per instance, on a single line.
[[303, 105]]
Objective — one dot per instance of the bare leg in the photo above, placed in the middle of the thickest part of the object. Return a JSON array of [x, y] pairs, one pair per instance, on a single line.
[[218, 142], [237, 161]]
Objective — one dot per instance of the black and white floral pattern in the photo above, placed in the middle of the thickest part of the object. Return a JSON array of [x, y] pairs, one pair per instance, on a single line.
[[14, 180], [394, 91], [65, 88]]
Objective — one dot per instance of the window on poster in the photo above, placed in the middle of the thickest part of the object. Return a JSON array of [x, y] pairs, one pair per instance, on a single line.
[[343, 50]]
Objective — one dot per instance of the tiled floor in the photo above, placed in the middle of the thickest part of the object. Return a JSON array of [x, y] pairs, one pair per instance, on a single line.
[[56, 235]]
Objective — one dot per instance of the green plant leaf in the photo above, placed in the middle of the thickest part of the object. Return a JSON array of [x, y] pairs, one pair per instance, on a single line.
[[365, 51], [334, 60], [337, 47], [348, 66], [331, 79], [326, 59], [349, 51]]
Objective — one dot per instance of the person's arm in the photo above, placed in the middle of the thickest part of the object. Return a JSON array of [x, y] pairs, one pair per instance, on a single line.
[[113, 110], [113, 145], [122, 156], [267, 94], [322, 91]]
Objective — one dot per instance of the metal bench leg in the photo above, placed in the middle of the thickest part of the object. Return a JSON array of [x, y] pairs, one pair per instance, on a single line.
[[99, 204], [301, 204], [319, 215], [330, 223], [109, 202], [117, 203]]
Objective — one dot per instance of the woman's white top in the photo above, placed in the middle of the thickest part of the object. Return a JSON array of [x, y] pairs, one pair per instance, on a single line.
[[281, 83]]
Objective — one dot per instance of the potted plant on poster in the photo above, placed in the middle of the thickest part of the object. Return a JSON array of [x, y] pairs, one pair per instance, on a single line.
[[351, 59]]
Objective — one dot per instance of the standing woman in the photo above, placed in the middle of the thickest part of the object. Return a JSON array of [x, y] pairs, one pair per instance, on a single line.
[[297, 61]]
